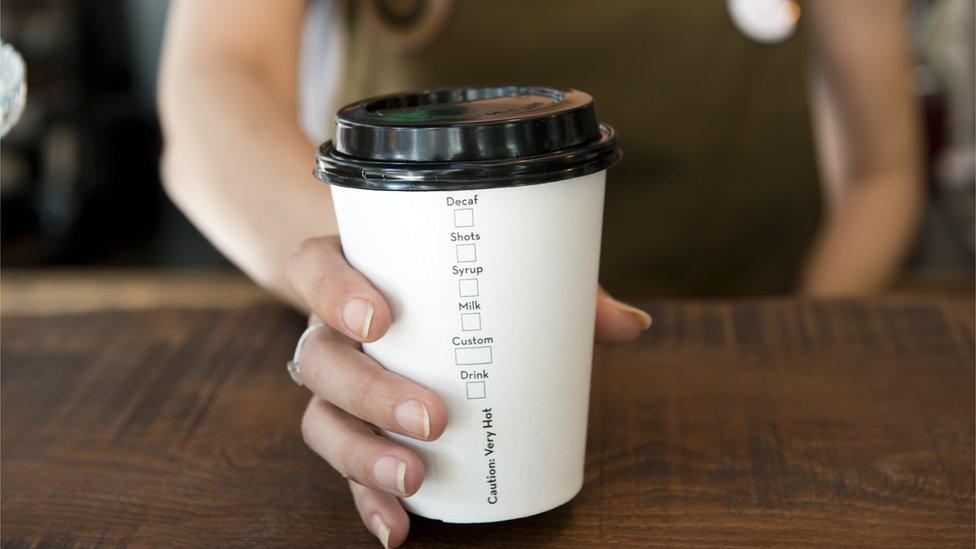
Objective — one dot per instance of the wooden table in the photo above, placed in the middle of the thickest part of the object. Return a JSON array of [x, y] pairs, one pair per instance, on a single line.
[[770, 422]]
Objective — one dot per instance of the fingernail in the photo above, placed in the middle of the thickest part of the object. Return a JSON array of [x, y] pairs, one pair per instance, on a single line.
[[391, 473], [413, 418], [357, 313], [382, 531], [644, 318]]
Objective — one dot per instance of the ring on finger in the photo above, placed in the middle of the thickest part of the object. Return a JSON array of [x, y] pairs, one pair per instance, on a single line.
[[293, 366]]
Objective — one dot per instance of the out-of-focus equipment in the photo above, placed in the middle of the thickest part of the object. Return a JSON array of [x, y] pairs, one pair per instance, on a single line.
[[13, 87]]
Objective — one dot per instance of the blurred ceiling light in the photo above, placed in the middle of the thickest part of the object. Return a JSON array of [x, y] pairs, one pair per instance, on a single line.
[[766, 21]]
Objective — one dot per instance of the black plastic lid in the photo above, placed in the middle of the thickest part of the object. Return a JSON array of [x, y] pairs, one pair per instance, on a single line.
[[466, 138]]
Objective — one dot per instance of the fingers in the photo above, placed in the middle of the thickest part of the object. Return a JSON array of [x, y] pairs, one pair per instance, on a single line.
[[382, 514], [337, 293], [353, 449], [618, 322], [341, 374]]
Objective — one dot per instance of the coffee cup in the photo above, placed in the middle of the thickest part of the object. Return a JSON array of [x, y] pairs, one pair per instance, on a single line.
[[477, 213]]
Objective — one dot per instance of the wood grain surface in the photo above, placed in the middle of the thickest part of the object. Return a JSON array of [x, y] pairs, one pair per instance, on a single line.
[[777, 423], [60, 291]]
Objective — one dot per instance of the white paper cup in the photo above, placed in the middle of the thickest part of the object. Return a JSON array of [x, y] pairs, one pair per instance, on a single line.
[[492, 284]]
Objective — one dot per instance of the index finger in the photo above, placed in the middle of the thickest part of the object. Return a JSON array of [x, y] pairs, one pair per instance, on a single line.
[[337, 293]]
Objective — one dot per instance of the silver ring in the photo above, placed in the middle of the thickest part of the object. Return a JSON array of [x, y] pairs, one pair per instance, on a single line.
[[293, 368]]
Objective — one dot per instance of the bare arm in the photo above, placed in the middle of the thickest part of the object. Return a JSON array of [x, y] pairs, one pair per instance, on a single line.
[[867, 133], [235, 161]]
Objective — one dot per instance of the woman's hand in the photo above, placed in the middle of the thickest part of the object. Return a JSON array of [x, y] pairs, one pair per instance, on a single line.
[[354, 396]]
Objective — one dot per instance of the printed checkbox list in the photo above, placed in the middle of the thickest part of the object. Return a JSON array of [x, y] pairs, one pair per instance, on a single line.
[[472, 347]]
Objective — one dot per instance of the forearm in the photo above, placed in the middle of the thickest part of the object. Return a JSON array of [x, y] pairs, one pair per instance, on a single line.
[[867, 130], [238, 166], [863, 243]]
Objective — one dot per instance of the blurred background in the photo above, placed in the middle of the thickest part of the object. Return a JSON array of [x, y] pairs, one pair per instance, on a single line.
[[89, 142]]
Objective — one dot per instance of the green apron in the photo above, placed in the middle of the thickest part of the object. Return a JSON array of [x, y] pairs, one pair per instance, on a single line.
[[718, 191]]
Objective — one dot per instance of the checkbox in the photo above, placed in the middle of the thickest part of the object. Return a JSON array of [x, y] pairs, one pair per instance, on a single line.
[[466, 253], [464, 217], [468, 287], [472, 356], [475, 389], [470, 322]]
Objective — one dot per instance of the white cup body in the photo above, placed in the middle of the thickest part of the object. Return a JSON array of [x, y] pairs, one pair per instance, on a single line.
[[493, 293]]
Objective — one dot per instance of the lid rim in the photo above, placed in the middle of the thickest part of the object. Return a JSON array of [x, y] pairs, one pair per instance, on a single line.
[[337, 169]]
